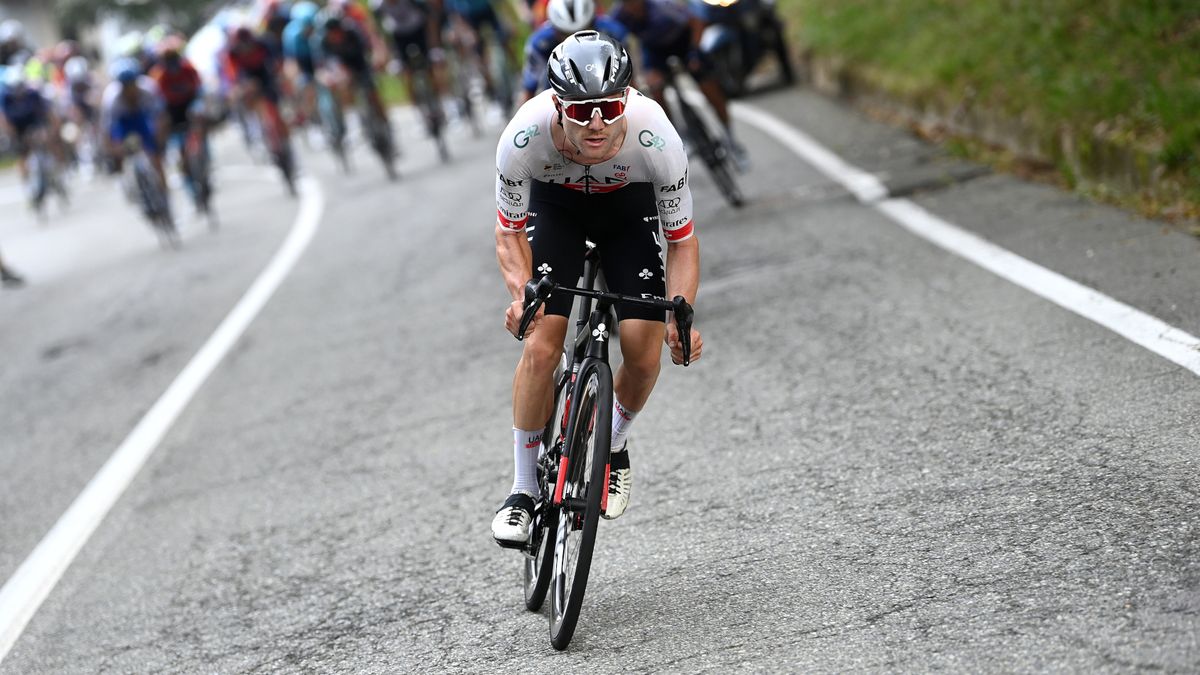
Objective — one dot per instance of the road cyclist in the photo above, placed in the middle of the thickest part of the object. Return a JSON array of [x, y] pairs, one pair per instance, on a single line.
[[344, 55], [27, 116], [180, 86], [670, 30], [592, 159]]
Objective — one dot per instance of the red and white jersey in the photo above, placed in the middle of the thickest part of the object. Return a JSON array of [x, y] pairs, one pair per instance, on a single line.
[[652, 153]]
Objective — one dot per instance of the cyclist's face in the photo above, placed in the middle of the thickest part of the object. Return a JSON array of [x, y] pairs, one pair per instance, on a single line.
[[596, 140]]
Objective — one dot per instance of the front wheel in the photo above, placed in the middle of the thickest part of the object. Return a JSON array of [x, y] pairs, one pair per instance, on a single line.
[[582, 481]]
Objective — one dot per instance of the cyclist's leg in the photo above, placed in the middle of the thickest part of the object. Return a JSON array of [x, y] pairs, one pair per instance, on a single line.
[[631, 257]]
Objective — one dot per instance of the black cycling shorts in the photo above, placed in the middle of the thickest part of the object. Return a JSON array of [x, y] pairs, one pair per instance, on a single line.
[[623, 224]]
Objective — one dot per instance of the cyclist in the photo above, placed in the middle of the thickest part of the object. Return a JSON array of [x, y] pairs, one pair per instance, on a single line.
[[414, 27], [24, 110], [339, 39], [297, 49], [132, 106], [473, 15], [594, 159], [565, 18], [179, 83], [669, 29], [250, 64], [359, 17]]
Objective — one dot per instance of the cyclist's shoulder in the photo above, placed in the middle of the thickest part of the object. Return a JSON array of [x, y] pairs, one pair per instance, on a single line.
[[527, 137]]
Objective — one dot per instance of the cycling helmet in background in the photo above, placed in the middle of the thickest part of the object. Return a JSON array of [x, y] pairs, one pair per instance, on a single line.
[[12, 31], [14, 78], [589, 65], [305, 12], [569, 16], [126, 70], [76, 69]]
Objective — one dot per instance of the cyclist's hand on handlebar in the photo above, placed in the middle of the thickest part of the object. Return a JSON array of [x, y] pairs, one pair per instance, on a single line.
[[672, 340], [512, 318]]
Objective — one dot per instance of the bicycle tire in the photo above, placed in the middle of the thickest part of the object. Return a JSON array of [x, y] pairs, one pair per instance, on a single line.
[[588, 450], [713, 154], [540, 556]]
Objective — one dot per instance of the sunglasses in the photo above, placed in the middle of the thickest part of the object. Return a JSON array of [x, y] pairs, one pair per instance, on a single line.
[[582, 112]]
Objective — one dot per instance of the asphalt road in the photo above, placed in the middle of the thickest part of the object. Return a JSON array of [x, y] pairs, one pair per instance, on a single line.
[[888, 460]]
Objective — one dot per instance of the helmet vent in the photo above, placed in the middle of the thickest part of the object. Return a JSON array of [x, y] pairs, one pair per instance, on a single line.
[[575, 70]]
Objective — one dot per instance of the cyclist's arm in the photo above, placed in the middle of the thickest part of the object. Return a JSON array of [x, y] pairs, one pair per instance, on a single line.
[[683, 268]]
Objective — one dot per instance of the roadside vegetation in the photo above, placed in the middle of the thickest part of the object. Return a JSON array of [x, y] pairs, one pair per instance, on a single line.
[[1104, 92]]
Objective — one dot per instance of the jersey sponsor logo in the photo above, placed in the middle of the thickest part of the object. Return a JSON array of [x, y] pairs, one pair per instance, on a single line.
[[522, 137], [670, 203], [514, 197], [621, 167], [511, 215], [509, 182], [677, 186], [676, 224], [648, 139], [679, 233]]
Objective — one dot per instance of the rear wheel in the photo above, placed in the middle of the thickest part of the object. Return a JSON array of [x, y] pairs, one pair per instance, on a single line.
[[583, 487]]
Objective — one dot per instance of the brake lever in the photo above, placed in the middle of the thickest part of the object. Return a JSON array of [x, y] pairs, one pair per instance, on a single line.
[[684, 314], [536, 293]]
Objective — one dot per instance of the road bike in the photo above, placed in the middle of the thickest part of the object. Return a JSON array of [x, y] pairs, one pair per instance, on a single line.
[[713, 151], [573, 463], [197, 166], [333, 124], [45, 175], [144, 184], [379, 133]]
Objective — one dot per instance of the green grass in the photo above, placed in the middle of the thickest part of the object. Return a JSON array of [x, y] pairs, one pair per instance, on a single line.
[[1127, 71]]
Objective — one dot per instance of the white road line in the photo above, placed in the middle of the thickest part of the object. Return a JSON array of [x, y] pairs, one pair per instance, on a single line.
[[1134, 325], [36, 577]]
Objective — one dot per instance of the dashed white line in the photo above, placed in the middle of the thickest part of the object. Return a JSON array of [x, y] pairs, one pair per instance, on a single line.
[[25, 591], [1134, 325]]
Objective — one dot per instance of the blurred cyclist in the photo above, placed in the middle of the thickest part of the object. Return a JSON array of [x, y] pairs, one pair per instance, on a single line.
[[24, 111], [667, 29], [181, 89], [565, 17], [253, 68], [340, 42], [414, 27], [297, 50], [132, 106]]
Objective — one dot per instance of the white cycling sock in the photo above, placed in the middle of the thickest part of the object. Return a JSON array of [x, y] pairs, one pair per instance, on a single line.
[[622, 418], [525, 454]]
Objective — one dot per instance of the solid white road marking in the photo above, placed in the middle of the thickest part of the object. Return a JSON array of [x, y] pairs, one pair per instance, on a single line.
[[36, 577], [1134, 325]]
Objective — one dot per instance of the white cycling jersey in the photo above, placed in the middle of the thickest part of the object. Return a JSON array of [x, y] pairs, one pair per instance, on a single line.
[[652, 153]]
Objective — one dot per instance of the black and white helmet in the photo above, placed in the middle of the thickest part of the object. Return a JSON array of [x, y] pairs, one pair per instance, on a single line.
[[568, 16], [589, 65]]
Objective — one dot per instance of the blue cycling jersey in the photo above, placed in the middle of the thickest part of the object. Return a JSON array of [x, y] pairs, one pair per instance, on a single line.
[[25, 108], [543, 41], [296, 44], [663, 24]]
